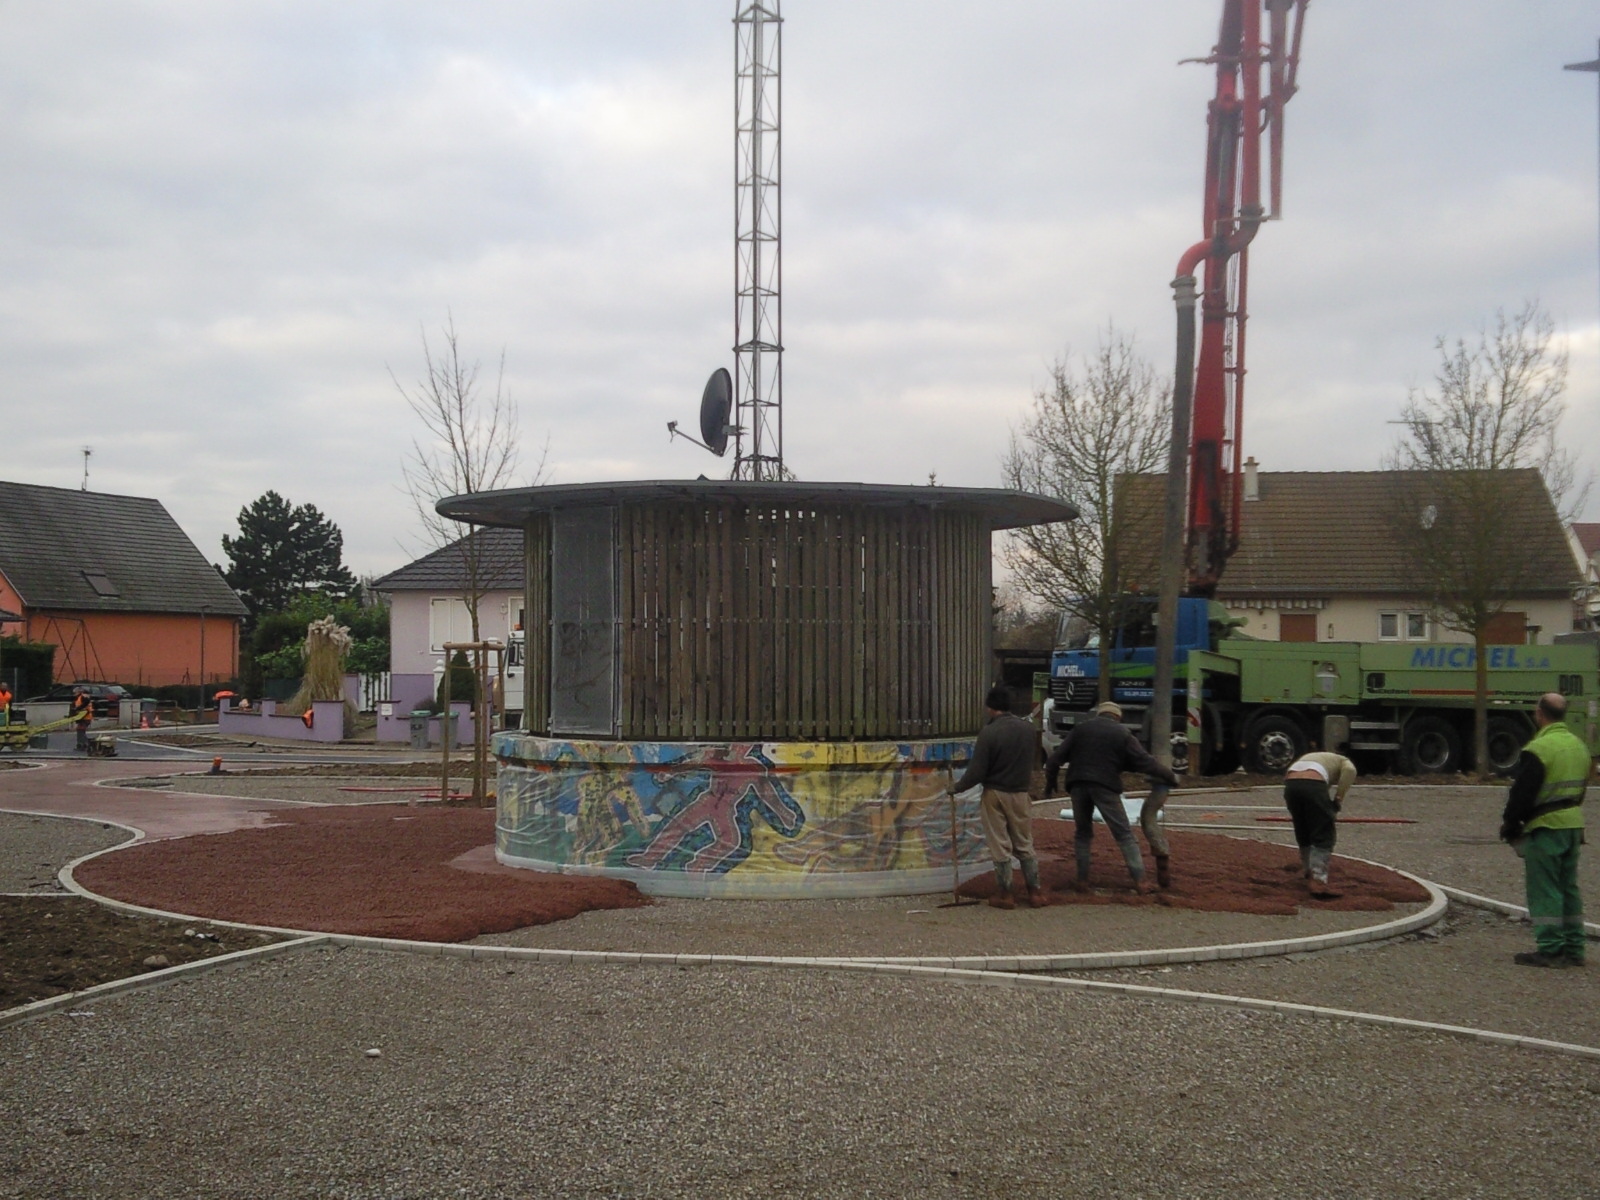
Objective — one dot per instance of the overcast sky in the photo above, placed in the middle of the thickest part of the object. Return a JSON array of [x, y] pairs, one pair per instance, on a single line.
[[224, 224]]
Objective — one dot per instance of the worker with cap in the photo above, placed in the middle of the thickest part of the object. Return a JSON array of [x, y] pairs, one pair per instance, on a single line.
[[1096, 752], [1314, 789], [1543, 821], [82, 714], [1002, 762]]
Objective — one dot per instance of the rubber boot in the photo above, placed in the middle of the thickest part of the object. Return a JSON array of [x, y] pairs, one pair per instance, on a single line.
[[1002, 877], [1135, 861], [1164, 870], [1318, 859], [1083, 852], [1305, 862], [1030, 876]]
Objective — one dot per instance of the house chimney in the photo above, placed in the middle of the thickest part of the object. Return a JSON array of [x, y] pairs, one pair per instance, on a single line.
[[1252, 486]]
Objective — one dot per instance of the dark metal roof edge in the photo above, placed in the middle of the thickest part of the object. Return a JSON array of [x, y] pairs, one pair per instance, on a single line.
[[509, 507]]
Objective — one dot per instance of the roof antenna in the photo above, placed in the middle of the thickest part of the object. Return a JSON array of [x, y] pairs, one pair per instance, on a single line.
[[84, 486]]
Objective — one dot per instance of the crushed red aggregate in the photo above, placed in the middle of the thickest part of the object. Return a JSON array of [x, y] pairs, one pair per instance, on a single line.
[[1211, 873], [373, 870], [409, 872]]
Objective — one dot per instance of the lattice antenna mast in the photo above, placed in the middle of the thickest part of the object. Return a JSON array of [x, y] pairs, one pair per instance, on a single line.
[[758, 273]]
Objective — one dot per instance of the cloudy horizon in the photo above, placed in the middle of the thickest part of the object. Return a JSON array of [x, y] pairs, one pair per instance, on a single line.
[[228, 224]]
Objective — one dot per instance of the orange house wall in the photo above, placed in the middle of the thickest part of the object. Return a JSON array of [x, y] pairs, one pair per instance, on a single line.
[[151, 649]]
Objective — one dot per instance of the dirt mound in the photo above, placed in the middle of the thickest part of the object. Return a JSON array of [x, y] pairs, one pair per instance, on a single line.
[[1210, 874], [375, 870]]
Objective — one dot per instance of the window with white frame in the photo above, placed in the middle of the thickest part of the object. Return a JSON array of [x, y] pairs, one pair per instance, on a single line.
[[1403, 627]]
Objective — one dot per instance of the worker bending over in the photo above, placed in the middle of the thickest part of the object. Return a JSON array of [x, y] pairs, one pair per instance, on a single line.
[[1314, 788], [1002, 762], [1543, 821], [1096, 753]]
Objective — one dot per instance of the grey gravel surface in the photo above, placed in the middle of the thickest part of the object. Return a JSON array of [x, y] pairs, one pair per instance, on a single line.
[[915, 926], [1459, 972], [650, 1082], [33, 849]]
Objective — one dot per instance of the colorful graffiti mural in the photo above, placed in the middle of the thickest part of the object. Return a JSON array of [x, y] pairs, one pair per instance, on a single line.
[[753, 819]]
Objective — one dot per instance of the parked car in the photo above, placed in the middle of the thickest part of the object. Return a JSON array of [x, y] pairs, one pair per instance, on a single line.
[[106, 696]]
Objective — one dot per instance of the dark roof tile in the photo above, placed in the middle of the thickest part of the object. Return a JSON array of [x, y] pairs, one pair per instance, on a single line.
[[442, 571], [90, 551], [1327, 533]]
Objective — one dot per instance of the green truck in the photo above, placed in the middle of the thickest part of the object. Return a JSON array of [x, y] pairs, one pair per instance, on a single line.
[[1401, 705]]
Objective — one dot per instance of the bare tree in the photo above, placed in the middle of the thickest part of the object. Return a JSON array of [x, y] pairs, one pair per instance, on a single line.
[[470, 443], [1483, 481], [1093, 424]]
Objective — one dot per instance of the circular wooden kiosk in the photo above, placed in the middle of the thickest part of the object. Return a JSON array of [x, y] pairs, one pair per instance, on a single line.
[[749, 689]]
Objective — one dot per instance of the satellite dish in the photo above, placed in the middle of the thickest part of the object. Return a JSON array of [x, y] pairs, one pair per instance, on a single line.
[[716, 402]]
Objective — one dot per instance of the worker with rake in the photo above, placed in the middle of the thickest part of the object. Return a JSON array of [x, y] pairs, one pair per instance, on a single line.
[[1002, 762]]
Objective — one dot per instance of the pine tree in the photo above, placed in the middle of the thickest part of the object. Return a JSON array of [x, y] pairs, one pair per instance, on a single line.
[[282, 551]]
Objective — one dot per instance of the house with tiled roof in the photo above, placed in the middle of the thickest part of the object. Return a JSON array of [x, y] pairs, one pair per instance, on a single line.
[[1318, 560], [1585, 537], [427, 609], [116, 586]]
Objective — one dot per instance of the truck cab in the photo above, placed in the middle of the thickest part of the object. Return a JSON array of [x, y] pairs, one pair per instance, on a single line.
[[1075, 664]]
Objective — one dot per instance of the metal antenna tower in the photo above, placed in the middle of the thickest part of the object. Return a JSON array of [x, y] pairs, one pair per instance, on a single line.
[[758, 271], [1592, 67]]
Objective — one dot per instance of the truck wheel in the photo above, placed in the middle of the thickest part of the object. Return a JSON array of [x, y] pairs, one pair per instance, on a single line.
[[1271, 744], [1506, 738], [1430, 746]]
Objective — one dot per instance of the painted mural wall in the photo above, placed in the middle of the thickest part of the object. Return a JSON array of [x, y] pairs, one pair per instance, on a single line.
[[753, 819]]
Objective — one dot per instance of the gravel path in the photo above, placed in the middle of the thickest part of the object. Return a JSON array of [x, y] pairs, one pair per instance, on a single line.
[[543, 1079], [33, 849], [649, 1082], [915, 926], [1456, 973]]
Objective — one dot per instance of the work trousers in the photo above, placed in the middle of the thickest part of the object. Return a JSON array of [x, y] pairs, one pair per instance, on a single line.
[[1007, 824], [1550, 864], [1311, 809], [1086, 799], [1150, 820]]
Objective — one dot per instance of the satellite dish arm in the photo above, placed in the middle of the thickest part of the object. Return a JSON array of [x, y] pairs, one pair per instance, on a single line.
[[674, 432]]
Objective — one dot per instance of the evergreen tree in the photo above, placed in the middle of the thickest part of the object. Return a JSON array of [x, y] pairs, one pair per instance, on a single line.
[[282, 551]]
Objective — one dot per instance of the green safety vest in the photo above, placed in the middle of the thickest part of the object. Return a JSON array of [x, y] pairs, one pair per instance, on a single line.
[[1566, 771]]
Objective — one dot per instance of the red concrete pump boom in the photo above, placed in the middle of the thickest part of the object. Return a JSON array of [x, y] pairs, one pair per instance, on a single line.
[[1241, 111]]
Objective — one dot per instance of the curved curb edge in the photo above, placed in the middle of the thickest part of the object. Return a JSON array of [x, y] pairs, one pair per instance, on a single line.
[[1505, 908]]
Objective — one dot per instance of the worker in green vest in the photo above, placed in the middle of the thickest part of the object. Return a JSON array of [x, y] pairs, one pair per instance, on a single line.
[[1543, 821]]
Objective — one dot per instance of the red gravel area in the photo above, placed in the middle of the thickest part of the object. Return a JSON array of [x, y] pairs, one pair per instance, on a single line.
[[1211, 874], [378, 870]]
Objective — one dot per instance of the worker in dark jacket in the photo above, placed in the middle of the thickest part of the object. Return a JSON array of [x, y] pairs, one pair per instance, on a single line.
[[1002, 762], [1543, 821], [1097, 752]]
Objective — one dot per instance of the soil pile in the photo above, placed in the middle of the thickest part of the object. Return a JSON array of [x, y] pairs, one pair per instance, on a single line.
[[373, 870]]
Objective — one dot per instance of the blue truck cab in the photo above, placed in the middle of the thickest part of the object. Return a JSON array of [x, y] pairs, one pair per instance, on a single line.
[[1075, 664]]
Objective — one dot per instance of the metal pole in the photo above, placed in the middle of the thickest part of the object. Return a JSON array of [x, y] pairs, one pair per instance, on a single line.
[[444, 733], [1184, 295]]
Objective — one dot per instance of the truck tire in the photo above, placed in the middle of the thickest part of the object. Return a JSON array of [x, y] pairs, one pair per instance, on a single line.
[[1272, 743], [1507, 735], [1429, 746]]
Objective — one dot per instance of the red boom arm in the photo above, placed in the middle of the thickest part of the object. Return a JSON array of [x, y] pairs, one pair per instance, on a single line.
[[1233, 212]]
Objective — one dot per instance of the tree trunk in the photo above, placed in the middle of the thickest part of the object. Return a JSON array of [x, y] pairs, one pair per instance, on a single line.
[[1480, 702]]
